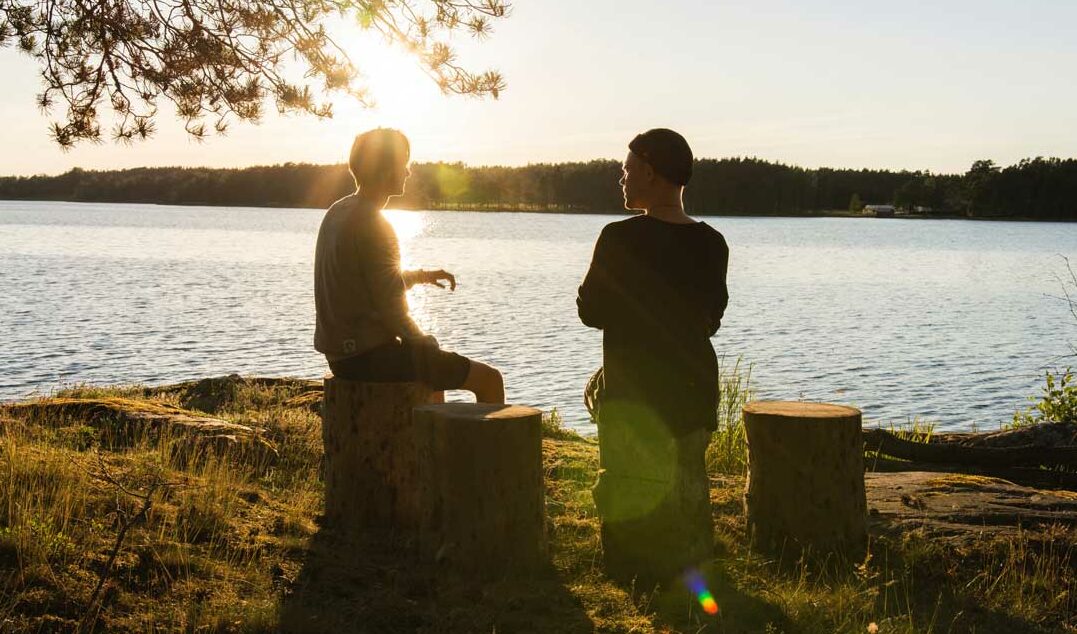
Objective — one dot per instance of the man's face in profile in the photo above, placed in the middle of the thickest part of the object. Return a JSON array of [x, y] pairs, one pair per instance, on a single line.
[[635, 176], [395, 180]]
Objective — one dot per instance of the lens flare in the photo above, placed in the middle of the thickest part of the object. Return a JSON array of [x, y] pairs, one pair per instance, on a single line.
[[695, 584]]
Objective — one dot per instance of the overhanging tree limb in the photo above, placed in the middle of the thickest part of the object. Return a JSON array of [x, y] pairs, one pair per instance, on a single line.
[[221, 59]]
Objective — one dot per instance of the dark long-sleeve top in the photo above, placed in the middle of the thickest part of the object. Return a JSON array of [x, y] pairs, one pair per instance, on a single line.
[[657, 290], [359, 289]]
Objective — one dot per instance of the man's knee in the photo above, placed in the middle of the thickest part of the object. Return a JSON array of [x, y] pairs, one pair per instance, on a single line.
[[485, 375], [496, 380], [486, 382]]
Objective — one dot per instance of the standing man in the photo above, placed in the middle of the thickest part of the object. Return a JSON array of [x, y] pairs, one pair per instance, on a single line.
[[363, 326], [657, 290]]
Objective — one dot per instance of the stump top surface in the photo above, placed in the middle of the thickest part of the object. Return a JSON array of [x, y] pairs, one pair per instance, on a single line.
[[800, 409], [480, 411]]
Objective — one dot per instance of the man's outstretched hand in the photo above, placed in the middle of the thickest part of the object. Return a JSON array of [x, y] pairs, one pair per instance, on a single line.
[[439, 278]]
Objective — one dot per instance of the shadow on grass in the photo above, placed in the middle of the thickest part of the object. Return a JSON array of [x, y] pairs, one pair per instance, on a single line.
[[377, 586], [678, 609]]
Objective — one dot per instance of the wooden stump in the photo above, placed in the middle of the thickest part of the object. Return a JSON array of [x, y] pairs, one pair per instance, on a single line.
[[482, 482], [371, 460], [805, 478]]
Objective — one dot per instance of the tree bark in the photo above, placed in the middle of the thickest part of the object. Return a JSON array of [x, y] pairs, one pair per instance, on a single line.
[[805, 478], [481, 482], [371, 459]]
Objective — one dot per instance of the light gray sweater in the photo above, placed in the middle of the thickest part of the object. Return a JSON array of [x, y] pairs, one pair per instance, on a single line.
[[359, 289]]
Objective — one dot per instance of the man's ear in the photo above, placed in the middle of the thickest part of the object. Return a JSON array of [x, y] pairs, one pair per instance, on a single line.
[[648, 173]]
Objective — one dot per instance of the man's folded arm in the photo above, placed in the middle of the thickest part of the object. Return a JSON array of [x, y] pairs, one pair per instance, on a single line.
[[594, 297], [721, 295]]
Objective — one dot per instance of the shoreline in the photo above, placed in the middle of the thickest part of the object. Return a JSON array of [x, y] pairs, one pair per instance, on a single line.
[[582, 426]]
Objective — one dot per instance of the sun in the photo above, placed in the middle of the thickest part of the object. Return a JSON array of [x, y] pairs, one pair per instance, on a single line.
[[401, 91]]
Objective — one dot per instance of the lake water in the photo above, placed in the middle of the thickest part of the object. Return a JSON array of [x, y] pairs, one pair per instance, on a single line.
[[951, 321]]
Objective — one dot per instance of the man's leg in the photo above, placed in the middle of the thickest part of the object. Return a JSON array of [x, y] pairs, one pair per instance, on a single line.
[[637, 457], [485, 382], [444, 370], [692, 497]]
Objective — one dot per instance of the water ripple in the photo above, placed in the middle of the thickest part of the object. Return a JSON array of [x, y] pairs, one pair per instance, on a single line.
[[945, 320]]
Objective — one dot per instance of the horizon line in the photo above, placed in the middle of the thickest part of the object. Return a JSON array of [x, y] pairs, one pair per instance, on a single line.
[[467, 165]]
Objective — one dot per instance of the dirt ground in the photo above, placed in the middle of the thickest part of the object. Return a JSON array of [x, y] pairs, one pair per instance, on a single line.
[[961, 507]]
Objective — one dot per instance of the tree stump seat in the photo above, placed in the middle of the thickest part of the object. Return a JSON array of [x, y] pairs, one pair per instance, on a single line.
[[460, 483], [805, 486], [480, 469], [371, 459]]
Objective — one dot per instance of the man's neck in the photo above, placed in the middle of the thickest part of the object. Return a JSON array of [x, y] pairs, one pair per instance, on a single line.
[[375, 200], [668, 211]]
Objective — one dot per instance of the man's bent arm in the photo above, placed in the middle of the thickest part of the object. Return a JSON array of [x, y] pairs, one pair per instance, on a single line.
[[381, 269], [411, 278]]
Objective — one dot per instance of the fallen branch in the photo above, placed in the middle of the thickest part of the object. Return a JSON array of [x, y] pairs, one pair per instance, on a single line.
[[1026, 476], [86, 623], [890, 444], [1039, 435]]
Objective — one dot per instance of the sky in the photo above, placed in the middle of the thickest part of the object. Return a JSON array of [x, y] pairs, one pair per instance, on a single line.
[[895, 85]]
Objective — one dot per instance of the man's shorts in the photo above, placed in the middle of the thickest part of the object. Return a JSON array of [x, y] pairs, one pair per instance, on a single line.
[[419, 361]]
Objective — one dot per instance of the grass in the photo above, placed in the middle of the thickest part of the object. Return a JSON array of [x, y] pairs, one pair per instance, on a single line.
[[728, 450], [231, 542]]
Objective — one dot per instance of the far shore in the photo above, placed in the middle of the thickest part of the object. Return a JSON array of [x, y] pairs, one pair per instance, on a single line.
[[564, 210]]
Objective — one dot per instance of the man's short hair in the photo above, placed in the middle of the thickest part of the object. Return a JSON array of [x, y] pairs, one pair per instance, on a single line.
[[666, 152], [374, 152]]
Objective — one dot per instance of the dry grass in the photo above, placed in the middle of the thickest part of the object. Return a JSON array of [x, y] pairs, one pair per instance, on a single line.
[[231, 543], [221, 518]]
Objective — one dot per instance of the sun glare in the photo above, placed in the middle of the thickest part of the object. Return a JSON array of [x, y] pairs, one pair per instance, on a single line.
[[406, 224], [402, 93]]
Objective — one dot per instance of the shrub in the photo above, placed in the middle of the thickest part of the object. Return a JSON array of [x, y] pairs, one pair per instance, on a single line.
[[1058, 404]]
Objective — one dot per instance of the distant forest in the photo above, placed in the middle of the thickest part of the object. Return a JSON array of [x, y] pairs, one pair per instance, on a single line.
[[1040, 188]]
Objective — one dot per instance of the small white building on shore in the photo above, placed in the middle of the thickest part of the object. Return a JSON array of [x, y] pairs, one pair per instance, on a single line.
[[880, 211]]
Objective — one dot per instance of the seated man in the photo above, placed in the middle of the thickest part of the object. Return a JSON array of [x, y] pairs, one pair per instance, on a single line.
[[363, 326]]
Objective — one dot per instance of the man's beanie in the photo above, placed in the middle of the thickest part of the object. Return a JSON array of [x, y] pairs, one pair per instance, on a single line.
[[665, 151]]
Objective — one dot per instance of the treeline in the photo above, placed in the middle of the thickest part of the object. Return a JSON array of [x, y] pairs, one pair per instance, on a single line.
[[1043, 189]]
